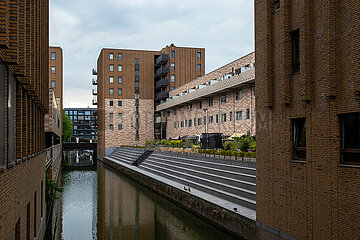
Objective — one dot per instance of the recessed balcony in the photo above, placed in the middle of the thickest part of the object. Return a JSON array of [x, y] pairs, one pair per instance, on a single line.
[[162, 95], [162, 71], [162, 83], [162, 59]]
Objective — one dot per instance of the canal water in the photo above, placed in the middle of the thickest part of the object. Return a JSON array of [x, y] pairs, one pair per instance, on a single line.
[[105, 205]]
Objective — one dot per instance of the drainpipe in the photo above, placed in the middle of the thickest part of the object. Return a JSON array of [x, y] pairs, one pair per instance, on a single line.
[[251, 118], [234, 114]]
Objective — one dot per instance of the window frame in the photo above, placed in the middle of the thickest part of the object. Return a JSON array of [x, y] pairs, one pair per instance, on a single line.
[[296, 138], [111, 67], [347, 150], [111, 79], [53, 55], [53, 69]]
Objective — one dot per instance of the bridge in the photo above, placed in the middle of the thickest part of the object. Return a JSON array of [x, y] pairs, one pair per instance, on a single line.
[[77, 155]]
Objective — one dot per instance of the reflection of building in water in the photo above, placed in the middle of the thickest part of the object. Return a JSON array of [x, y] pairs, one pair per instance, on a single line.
[[132, 218], [78, 157]]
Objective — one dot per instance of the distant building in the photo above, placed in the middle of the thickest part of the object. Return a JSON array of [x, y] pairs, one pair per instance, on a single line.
[[84, 122], [130, 83], [24, 101], [308, 118], [222, 101]]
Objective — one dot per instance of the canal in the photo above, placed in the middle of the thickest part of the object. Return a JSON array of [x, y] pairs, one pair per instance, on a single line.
[[104, 205]]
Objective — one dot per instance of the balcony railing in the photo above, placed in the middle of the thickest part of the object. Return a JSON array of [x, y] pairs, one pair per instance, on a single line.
[[94, 92], [94, 101], [94, 72], [162, 95], [163, 58], [94, 81], [162, 71], [162, 83]]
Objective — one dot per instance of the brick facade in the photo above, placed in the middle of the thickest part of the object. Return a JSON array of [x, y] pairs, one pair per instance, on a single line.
[[24, 94], [316, 197]]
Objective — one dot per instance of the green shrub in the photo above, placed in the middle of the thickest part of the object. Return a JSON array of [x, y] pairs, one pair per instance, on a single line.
[[250, 154], [253, 146], [228, 145], [234, 153], [188, 143]]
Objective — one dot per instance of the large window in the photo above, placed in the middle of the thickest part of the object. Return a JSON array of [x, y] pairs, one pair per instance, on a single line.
[[299, 139], [350, 134], [295, 51], [239, 115]]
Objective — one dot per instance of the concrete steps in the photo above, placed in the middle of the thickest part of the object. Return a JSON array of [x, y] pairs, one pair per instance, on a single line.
[[230, 180]]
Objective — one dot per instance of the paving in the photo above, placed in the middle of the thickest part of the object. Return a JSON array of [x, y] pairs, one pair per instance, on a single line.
[[229, 184]]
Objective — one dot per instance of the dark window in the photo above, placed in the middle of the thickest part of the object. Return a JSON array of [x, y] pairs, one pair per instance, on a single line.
[[239, 115], [190, 123], [223, 117], [230, 116], [276, 5], [350, 133], [211, 102], [137, 134], [295, 51], [205, 120], [119, 126], [199, 121], [211, 119], [174, 111], [120, 56], [299, 128], [111, 115], [111, 126], [111, 103], [199, 67], [199, 55], [238, 94], [182, 124], [247, 113], [223, 98], [119, 103], [194, 122], [200, 105], [217, 118]]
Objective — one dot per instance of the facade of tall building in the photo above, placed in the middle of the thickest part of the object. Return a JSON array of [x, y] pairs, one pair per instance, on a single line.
[[24, 94], [84, 122], [130, 83], [222, 101], [308, 118]]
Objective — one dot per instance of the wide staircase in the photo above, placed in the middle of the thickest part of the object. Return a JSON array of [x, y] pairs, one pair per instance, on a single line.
[[231, 180]]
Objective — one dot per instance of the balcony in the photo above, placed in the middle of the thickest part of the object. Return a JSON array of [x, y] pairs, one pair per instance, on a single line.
[[94, 81], [162, 71], [94, 72], [162, 95], [162, 83], [94, 92], [163, 58], [94, 101]]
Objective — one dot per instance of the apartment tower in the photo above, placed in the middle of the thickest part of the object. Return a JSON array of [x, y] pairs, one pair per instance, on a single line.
[[24, 93], [130, 83], [308, 118]]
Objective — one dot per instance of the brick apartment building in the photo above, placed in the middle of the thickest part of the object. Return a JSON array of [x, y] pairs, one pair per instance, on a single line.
[[222, 101], [24, 93], [130, 83], [84, 122], [308, 118]]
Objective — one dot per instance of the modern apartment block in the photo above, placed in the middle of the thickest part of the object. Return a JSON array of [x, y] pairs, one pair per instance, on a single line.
[[130, 83], [308, 118], [84, 122], [24, 101], [222, 101]]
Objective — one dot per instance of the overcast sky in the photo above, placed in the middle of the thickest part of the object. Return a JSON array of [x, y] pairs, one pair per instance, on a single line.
[[225, 28]]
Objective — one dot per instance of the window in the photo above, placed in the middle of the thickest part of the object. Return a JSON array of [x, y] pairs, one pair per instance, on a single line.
[[199, 121], [111, 115], [111, 90], [217, 118], [111, 126], [67, 112], [119, 126], [200, 105], [350, 137], [194, 122], [119, 103], [172, 66], [247, 113], [174, 111], [53, 55], [111, 79], [299, 128], [137, 86], [211, 119], [172, 78], [190, 123], [223, 117], [111, 68], [87, 113], [239, 115], [172, 88], [205, 120], [182, 124], [198, 76], [119, 56], [211, 102], [295, 51], [199, 55], [53, 84], [111, 56], [120, 115], [119, 91], [223, 98], [199, 67], [120, 68], [120, 80], [111, 103], [276, 5], [71, 112], [230, 116], [238, 94], [53, 70], [173, 54], [186, 121]]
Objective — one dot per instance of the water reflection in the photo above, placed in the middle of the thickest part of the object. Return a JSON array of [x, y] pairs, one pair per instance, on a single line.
[[127, 210], [78, 157]]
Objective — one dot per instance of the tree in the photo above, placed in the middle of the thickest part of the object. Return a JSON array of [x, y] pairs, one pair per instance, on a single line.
[[67, 127]]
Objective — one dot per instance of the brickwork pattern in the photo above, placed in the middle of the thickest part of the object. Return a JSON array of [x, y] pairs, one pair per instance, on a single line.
[[317, 198]]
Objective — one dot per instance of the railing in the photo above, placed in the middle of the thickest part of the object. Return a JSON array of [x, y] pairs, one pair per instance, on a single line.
[[94, 81], [94, 92], [162, 71], [163, 58], [162, 95], [48, 158], [94, 72], [162, 83]]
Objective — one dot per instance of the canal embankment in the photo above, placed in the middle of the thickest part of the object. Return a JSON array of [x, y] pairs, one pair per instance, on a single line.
[[221, 191]]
